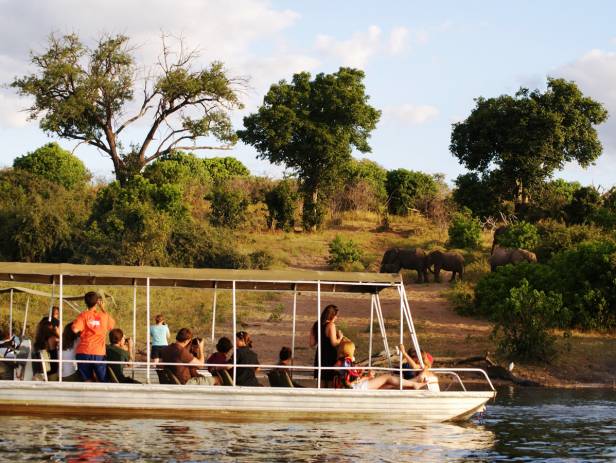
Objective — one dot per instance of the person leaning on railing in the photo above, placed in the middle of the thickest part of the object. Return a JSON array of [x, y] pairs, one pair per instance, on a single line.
[[330, 339], [70, 341]]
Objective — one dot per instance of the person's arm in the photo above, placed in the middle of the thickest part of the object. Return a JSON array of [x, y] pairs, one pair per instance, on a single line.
[[335, 336], [167, 334], [408, 358], [78, 325], [312, 340]]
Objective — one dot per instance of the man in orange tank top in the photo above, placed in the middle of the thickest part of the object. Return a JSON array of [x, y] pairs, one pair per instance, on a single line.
[[93, 324]]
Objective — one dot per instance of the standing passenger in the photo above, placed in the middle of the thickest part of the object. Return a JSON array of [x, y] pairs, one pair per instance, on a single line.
[[159, 337], [93, 324], [330, 339]]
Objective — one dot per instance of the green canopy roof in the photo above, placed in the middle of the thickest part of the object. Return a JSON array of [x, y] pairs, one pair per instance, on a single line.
[[260, 280]]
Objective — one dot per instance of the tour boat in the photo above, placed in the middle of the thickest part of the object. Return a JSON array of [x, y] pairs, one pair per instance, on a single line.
[[25, 395]]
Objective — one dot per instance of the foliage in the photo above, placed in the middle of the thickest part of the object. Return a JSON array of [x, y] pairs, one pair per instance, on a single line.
[[587, 282], [343, 252], [526, 137], [521, 235], [229, 207], [462, 297], [363, 187], [550, 199], [556, 236], [82, 93], [39, 219], [55, 164], [464, 231], [261, 260], [222, 169], [310, 127], [523, 320], [408, 190], [178, 168], [281, 203], [584, 205], [480, 194]]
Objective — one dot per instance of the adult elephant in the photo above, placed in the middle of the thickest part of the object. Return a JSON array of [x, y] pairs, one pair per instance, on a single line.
[[395, 259], [503, 256], [450, 261], [498, 232]]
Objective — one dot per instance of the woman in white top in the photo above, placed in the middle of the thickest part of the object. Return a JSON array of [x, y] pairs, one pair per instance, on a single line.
[[70, 341]]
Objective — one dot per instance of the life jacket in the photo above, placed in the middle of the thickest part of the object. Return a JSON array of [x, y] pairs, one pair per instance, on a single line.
[[344, 378]]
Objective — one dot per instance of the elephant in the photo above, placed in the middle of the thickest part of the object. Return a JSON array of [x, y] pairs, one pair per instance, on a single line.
[[395, 259], [504, 256], [450, 261]]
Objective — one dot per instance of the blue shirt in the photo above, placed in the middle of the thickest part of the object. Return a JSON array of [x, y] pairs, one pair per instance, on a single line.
[[159, 335]]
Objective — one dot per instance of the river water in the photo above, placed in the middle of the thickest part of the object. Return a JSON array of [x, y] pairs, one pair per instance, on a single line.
[[522, 425]]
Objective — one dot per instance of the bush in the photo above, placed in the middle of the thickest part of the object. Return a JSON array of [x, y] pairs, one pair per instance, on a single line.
[[464, 231], [523, 322], [519, 235], [462, 296], [343, 252], [555, 237], [281, 203], [584, 204], [550, 200], [222, 169], [228, 208], [261, 260], [313, 214], [480, 194], [409, 190], [178, 168], [54, 164]]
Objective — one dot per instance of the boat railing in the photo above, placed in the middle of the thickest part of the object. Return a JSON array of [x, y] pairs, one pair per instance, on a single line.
[[454, 372]]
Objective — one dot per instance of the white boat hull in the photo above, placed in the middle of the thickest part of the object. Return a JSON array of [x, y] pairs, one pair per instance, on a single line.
[[219, 401]]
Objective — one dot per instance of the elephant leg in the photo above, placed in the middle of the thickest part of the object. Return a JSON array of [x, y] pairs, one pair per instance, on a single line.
[[419, 276], [453, 276], [425, 274], [437, 274]]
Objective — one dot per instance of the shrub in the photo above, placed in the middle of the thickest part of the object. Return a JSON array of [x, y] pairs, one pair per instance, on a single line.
[[462, 296], [464, 231], [584, 204], [523, 322], [409, 190], [261, 260], [178, 168], [54, 164], [229, 207], [519, 235], [313, 214], [223, 168], [281, 203], [555, 237], [550, 200], [479, 194], [343, 252]]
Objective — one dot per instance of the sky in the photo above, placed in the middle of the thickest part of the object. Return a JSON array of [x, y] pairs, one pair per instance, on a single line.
[[424, 63]]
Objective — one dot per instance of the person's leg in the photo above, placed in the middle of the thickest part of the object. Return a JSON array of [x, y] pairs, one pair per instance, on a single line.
[[100, 369], [84, 369], [392, 380], [377, 382]]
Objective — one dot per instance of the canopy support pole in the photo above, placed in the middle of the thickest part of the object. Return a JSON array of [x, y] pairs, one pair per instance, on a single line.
[[53, 288], [23, 328], [61, 309], [401, 339], [11, 314], [233, 308], [379, 314], [135, 324], [371, 323], [319, 353], [214, 313], [411, 325], [147, 331], [293, 326]]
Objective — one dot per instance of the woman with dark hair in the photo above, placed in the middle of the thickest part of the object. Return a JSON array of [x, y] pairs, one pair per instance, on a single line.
[[45, 348], [70, 340], [223, 347], [330, 339], [245, 376]]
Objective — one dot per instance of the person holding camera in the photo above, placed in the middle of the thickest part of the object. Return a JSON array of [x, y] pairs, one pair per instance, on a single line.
[[120, 349], [179, 352]]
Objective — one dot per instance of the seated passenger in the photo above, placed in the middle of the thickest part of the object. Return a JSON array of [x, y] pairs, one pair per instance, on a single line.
[[422, 374], [55, 318], [355, 379], [178, 353], [120, 349], [280, 377], [245, 376], [223, 347], [7, 351], [70, 340], [45, 349]]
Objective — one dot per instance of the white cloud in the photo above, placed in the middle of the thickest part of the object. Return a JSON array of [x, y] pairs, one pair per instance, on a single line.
[[357, 50], [595, 74], [408, 114]]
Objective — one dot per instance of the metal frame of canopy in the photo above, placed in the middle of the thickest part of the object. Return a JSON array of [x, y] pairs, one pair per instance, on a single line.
[[234, 280]]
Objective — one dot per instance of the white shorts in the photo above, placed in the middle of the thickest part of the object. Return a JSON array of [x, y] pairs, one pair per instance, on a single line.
[[362, 386]]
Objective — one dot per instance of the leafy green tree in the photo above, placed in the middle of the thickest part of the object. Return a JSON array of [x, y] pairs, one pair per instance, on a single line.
[[526, 137], [40, 220], [555, 237], [407, 189], [85, 94], [343, 253], [464, 230], [229, 207], [222, 169], [55, 164], [550, 199], [311, 126], [178, 168], [584, 205], [522, 235]]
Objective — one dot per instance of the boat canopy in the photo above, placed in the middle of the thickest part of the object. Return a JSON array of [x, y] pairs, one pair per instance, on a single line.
[[254, 280]]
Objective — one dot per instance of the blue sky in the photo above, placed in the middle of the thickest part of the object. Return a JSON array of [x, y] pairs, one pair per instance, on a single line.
[[424, 63]]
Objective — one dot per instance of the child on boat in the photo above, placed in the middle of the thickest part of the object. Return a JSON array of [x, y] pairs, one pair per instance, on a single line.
[[422, 374], [354, 379]]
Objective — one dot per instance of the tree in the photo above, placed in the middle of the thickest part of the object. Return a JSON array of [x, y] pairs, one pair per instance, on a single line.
[[86, 94], [311, 126], [529, 135], [408, 190], [480, 194], [55, 164], [585, 203]]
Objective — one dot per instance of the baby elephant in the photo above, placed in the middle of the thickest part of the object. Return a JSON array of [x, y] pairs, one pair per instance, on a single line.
[[450, 261]]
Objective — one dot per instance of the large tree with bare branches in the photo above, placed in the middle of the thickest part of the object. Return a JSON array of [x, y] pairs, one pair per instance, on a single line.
[[90, 95]]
